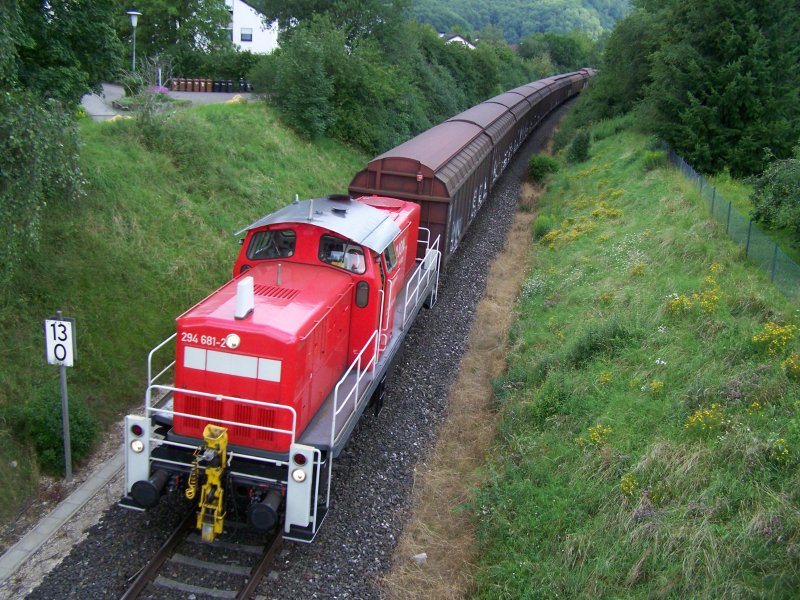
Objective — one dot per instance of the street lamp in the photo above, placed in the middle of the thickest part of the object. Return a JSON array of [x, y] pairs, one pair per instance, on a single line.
[[134, 15]]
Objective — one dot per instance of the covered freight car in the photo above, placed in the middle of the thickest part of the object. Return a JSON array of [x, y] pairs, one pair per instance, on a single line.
[[450, 169]]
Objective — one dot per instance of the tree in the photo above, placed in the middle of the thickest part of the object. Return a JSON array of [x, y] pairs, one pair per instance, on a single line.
[[375, 91], [520, 18], [568, 52], [51, 53], [60, 49], [38, 163], [357, 18], [11, 36], [177, 28], [725, 82], [625, 70]]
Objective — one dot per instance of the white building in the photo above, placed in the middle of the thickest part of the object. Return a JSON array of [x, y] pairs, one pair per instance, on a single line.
[[453, 38], [248, 31]]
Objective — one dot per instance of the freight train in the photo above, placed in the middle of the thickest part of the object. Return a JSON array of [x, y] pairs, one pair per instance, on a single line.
[[265, 379]]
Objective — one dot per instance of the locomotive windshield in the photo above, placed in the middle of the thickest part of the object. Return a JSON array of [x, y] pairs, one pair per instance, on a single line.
[[340, 253], [272, 243]]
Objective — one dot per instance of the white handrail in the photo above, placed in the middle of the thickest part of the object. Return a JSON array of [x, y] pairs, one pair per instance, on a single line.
[[267, 405], [386, 314], [427, 241], [420, 279], [360, 374], [387, 311], [150, 360]]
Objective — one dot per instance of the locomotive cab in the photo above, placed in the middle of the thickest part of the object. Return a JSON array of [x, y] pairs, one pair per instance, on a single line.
[[368, 238]]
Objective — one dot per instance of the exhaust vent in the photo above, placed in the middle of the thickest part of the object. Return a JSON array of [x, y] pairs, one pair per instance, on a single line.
[[245, 300], [276, 292]]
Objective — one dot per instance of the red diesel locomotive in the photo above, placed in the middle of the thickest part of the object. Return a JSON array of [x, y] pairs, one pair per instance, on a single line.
[[268, 376]]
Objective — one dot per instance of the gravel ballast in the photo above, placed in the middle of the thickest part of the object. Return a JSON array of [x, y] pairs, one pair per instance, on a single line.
[[372, 478]]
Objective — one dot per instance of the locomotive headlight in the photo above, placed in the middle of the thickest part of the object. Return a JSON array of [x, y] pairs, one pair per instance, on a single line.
[[137, 446], [299, 475], [232, 341]]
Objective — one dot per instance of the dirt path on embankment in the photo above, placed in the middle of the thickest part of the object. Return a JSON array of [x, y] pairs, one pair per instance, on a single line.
[[436, 554]]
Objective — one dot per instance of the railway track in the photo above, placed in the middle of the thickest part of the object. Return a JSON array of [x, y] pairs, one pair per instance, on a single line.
[[231, 566]]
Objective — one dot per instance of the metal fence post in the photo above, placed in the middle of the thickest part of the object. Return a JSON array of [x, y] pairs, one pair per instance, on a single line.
[[713, 201], [728, 222], [774, 263], [747, 246]]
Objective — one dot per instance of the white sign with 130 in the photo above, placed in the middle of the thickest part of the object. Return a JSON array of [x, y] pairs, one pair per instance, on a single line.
[[59, 335]]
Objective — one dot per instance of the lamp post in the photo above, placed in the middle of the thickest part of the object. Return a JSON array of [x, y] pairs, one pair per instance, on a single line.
[[134, 15]]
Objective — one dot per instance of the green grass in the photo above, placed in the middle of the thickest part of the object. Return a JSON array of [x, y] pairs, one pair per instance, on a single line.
[[153, 236], [635, 330]]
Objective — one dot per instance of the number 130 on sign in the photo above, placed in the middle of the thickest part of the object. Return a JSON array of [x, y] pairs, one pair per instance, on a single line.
[[59, 335]]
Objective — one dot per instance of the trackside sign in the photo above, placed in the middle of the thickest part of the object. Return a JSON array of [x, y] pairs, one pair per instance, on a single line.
[[59, 335]]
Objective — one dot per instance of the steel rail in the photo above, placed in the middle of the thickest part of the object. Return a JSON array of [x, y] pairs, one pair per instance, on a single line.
[[147, 573], [263, 565]]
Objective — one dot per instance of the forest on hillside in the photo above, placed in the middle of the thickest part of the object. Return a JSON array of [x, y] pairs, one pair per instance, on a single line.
[[516, 19]]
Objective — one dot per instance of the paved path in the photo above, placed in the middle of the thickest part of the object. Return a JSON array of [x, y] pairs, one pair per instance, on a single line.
[[61, 514], [99, 107]]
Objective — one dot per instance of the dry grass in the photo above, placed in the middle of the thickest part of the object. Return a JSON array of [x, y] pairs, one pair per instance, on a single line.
[[439, 526]]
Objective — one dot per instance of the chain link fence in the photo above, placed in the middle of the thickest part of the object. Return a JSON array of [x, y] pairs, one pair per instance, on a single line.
[[759, 248]]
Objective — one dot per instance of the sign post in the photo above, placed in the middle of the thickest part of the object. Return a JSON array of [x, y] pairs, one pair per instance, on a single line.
[[59, 335]]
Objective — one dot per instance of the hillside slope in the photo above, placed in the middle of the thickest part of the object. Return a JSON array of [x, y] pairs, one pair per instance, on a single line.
[[153, 235], [649, 440], [519, 18]]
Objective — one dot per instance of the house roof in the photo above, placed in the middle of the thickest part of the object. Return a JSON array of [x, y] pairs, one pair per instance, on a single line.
[[455, 37], [251, 6]]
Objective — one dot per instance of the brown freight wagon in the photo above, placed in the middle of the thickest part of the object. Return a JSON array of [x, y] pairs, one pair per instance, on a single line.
[[449, 170]]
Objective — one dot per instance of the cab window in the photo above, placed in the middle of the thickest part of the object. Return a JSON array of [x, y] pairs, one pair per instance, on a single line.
[[340, 253], [272, 243], [390, 256]]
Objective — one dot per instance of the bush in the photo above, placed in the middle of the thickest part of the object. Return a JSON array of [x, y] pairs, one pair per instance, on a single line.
[[543, 225], [550, 399], [566, 130], [38, 164], [578, 150], [38, 422], [608, 127], [133, 84], [184, 138], [654, 159], [539, 166], [303, 89], [599, 339], [776, 195], [219, 64], [262, 73]]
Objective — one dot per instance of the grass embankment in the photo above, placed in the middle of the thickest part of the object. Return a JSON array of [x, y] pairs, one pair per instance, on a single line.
[[650, 412], [153, 236]]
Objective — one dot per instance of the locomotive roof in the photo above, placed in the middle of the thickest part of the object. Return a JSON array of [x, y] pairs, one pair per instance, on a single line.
[[354, 220]]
